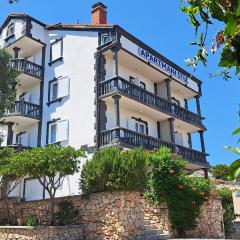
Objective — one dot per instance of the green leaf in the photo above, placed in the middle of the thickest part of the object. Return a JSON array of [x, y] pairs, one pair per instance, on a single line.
[[228, 58], [217, 11], [231, 25], [236, 132], [238, 9], [234, 170], [232, 149]]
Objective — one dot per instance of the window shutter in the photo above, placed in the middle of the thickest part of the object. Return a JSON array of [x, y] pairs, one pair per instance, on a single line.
[[25, 139], [131, 124], [62, 131], [179, 139], [63, 87], [56, 50]]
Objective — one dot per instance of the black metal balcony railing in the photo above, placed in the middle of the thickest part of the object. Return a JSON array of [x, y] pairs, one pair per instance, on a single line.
[[17, 147], [25, 109], [134, 139], [27, 67], [131, 90]]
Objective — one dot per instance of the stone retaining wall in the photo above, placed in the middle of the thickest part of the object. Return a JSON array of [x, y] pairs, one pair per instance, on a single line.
[[120, 215], [41, 233]]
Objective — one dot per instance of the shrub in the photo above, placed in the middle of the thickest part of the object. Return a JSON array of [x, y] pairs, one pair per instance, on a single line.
[[66, 213], [183, 195], [220, 171], [31, 221], [114, 170], [228, 209]]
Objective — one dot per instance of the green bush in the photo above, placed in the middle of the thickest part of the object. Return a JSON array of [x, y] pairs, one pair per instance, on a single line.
[[114, 170], [168, 183], [31, 221], [66, 213], [228, 209]]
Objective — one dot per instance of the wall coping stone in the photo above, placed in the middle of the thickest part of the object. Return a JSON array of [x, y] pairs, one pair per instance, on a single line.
[[41, 227]]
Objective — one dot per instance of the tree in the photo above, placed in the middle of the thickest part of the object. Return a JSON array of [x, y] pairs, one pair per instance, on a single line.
[[9, 180], [49, 165], [202, 15], [220, 171], [8, 80]]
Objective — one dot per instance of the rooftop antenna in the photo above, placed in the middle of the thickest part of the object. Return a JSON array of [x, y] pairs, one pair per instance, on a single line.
[[78, 21]]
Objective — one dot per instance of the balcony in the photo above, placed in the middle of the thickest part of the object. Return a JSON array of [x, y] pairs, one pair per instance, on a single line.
[[130, 90], [23, 113], [17, 147], [30, 73], [130, 138], [26, 67]]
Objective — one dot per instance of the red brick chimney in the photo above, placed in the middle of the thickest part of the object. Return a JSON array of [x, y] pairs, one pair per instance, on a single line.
[[99, 13]]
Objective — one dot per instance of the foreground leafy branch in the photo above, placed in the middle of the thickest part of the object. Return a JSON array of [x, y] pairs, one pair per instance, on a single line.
[[205, 13]]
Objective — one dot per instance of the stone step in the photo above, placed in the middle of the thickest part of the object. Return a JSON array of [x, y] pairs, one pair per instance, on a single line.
[[147, 232], [153, 237], [149, 227]]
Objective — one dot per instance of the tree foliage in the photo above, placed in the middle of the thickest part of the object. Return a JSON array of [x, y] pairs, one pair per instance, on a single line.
[[228, 209], [49, 165], [168, 183], [8, 80], [220, 171], [202, 15], [114, 170]]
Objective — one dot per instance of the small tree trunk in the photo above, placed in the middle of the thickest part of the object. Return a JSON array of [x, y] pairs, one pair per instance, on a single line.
[[51, 210]]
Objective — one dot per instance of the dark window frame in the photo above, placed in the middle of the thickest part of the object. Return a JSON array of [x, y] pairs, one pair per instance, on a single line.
[[50, 92], [48, 128], [142, 121]]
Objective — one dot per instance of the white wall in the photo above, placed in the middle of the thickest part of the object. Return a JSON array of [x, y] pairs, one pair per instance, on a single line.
[[125, 115], [125, 73], [19, 23], [134, 48], [78, 63]]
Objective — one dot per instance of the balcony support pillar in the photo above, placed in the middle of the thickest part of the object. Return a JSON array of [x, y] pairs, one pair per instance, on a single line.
[[190, 140], [115, 50], [16, 52], [10, 134], [171, 125], [198, 105], [186, 103], [116, 99], [201, 132], [168, 88]]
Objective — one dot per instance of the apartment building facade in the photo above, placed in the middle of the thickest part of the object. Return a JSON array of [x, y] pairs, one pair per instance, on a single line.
[[96, 85]]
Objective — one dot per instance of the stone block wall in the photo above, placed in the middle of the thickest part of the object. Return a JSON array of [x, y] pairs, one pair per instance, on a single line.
[[120, 215], [41, 233]]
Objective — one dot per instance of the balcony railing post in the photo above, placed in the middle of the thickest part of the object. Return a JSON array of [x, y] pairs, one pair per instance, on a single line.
[[117, 115], [201, 132], [198, 105]]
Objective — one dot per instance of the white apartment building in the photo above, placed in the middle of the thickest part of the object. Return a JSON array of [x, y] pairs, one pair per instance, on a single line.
[[95, 85]]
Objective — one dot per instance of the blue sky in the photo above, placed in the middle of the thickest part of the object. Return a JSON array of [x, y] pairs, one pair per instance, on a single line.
[[161, 25]]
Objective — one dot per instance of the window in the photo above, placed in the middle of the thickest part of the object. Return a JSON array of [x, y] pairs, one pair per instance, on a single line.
[[10, 30], [57, 131], [174, 100], [56, 51], [58, 88], [53, 133], [54, 91], [137, 82], [104, 39], [137, 125], [140, 127]]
